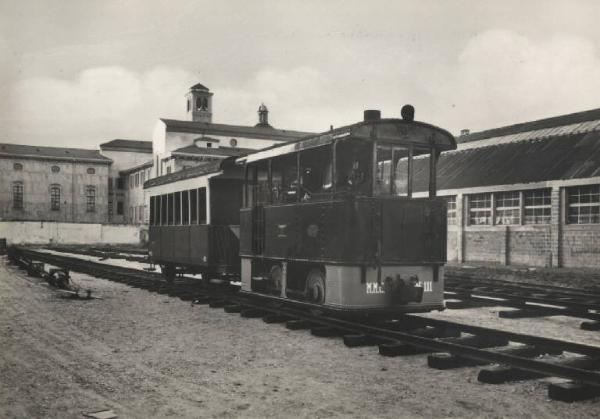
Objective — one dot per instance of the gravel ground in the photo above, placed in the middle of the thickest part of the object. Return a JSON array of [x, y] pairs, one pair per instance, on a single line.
[[148, 355]]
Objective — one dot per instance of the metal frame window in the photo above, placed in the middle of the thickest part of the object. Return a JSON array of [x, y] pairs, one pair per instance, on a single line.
[[55, 197], [583, 204], [451, 205], [153, 210], [508, 208], [90, 198], [480, 209], [202, 206], [17, 195], [537, 206]]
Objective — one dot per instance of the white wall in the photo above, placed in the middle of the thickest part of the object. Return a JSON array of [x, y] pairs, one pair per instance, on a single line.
[[35, 232]]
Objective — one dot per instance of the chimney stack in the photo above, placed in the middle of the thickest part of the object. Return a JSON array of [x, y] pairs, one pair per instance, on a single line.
[[372, 115]]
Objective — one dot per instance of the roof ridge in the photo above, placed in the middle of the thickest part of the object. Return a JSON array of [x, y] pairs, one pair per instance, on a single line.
[[543, 123]]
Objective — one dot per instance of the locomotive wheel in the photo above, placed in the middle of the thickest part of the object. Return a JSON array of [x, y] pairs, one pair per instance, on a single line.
[[315, 286], [169, 272]]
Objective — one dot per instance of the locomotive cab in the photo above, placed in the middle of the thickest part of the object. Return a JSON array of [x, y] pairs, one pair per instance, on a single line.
[[333, 220]]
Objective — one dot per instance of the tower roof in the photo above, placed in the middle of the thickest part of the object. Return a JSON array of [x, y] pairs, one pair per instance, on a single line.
[[199, 86]]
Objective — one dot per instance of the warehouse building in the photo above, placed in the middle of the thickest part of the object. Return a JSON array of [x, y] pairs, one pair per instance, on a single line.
[[53, 184], [524, 194]]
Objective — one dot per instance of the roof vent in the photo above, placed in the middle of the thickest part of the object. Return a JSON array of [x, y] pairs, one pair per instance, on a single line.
[[372, 115], [465, 131], [408, 113]]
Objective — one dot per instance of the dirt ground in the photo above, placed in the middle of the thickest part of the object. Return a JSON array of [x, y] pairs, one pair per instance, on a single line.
[[148, 355]]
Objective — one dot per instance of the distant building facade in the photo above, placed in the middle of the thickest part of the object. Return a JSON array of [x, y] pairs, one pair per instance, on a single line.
[[53, 184], [131, 160]]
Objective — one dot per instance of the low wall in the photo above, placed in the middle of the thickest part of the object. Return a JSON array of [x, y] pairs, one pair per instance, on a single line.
[[581, 245], [41, 232], [521, 245]]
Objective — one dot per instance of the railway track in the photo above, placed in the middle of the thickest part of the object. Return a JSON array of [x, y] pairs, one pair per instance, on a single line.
[[465, 291], [512, 356], [530, 300]]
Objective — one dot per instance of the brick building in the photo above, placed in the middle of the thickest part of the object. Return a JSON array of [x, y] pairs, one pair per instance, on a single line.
[[53, 184], [524, 194]]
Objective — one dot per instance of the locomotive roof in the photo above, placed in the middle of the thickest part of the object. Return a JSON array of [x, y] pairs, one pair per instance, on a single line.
[[389, 130]]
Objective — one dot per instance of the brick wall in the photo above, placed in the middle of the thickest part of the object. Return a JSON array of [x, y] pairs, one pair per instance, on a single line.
[[484, 245], [580, 246], [529, 245]]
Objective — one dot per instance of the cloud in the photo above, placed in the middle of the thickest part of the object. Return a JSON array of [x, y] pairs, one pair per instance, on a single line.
[[101, 103], [503, 77], [113, 102], [498, 77]]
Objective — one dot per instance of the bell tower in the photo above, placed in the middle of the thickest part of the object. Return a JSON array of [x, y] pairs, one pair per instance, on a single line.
[[199, 103], [263, 116]]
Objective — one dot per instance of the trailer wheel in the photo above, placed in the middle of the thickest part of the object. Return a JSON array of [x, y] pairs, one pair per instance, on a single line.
[[168, 272], [315, 286]]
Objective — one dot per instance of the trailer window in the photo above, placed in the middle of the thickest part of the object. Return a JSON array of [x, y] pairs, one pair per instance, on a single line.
[[185, 208], [170, 209], [202, 205], [177, 208], [163, 210], [194, 206], [152, 205]]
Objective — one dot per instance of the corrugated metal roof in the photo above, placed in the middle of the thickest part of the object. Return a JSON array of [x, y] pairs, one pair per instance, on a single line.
[[572, 156], [571, 129], [262, 132], [540, 124], [62, 153]]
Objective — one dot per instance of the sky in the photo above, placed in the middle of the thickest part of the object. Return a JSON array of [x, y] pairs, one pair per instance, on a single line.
[[80, 72]]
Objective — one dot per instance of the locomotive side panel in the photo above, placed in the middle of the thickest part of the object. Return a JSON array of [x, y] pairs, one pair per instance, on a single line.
[[332, 230], [353, 287], [414, 230]]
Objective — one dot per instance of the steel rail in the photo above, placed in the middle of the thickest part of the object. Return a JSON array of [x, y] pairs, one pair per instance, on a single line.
[[378, 332], [490, 356]]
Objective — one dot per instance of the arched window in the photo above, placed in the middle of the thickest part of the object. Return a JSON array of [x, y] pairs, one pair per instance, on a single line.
[[55, 169], [91, 171], [17, 190], [90, 196], [188, 105], [198, 103], [55, 197], [204, 103]]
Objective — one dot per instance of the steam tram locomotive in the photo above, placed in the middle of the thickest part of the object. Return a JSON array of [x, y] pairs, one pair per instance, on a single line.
[[331, 219]]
